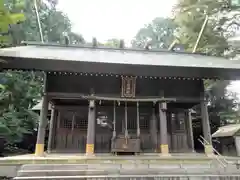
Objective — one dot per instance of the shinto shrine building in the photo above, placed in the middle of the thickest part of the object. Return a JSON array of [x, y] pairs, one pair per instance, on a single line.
[[119, 100]]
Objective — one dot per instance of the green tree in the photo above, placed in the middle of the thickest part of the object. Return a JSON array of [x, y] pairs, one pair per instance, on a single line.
[[159, 33], [20, 91], [9, 124], [54, 23], [190, 16], [8, 19]]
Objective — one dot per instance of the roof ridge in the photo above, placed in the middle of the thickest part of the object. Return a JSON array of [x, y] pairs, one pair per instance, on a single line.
[[152, 50]]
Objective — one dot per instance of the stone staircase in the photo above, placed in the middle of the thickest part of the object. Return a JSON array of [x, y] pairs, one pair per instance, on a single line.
[[129, 171]]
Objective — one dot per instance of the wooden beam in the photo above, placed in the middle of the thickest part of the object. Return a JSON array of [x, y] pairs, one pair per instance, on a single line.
[[106, 98], [66, 107], [80, 96]]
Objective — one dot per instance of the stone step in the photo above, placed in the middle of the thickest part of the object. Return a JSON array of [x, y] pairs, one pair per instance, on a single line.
[[30, 173], [53, 166], [107, 170], [136, 177], [113, 166], [157, 171], [109, 167]]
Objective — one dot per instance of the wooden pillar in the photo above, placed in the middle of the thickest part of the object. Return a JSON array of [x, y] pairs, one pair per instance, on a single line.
[[206, 128], [138, 121], [114, 133], [91, 128], [190, 130], [126, 122], [163, 129], [114, 121], [153, 130], [39, 148], [51, 126]]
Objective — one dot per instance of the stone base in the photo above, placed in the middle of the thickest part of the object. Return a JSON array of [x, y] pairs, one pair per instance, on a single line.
[[90, 149], [209, 150], [39, 150], [164, 149]]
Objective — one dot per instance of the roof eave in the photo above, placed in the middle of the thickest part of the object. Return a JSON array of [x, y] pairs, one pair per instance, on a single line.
[[48, 65]]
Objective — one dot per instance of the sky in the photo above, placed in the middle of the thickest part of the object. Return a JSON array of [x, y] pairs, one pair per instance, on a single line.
[[121, 19], [106, 19]]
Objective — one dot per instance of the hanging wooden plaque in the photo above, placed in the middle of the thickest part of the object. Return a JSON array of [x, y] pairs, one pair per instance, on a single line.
[[128, 87]]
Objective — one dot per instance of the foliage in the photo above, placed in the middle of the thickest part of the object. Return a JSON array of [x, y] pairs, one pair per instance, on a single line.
[[222, 23], [223, 107], [7, 19], [20, 91], [53, 22], [159, 33], [190, 15]]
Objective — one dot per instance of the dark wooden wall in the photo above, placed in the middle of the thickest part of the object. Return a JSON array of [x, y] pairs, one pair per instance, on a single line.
[[111, 85], [70, 133], [71, 128]]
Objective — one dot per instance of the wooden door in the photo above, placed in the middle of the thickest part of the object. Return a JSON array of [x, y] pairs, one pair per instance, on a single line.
[[71, 130]]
